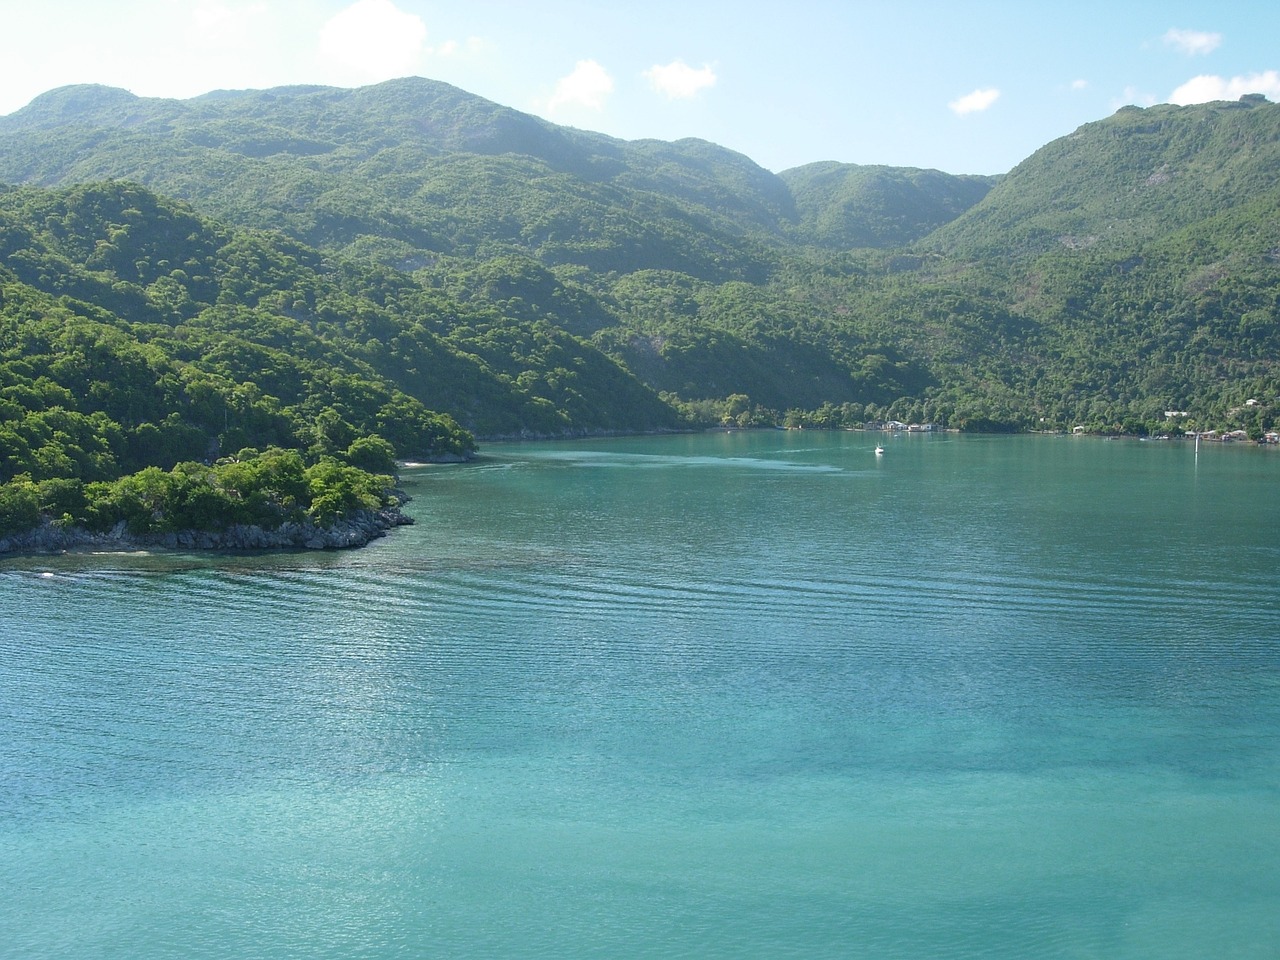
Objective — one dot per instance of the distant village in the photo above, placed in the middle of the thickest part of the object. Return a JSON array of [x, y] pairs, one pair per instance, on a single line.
[[1218, 436], [1224, 436], [898, 425]]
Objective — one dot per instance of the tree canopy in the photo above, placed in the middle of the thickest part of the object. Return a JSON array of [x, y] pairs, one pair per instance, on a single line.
[[356, 276]]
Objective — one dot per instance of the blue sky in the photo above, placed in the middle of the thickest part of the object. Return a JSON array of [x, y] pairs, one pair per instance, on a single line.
[[965, 88]]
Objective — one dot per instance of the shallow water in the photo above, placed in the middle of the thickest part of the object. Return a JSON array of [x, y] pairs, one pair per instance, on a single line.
[[750, 694]]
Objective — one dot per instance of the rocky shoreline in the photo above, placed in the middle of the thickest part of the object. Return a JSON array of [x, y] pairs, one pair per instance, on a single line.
[[354, 530]]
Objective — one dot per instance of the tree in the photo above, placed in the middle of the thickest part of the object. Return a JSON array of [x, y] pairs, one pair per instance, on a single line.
[[372, 454], [19, 506]]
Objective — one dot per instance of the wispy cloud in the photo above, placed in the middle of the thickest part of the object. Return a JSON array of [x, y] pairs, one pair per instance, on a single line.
[[216, 24], [974, 102], [1207, 87], [1132, 96], [679, 81], [453, 49], [1192, 42], [1079, 84], [588, 86], [375, 38]]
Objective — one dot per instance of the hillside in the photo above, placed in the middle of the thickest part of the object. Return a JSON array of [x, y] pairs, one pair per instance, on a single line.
[[1140, 175], [843, 205], [407, 169], [526, 279], [410, 168], [135, 333]]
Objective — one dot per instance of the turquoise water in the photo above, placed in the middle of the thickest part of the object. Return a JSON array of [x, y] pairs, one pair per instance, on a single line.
[[728, 695]]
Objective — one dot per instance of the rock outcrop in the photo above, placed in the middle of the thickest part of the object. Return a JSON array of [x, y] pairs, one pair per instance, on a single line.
[[354, 530]]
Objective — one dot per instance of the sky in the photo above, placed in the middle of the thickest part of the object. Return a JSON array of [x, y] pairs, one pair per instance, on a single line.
[[963, 88]]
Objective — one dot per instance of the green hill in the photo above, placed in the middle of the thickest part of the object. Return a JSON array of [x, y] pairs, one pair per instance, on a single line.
[[410, 168], [843, 206], [410, 262], [136, 334], [1137, 176]]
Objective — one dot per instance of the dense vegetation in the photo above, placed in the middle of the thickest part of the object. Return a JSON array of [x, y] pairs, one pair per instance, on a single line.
[[354, 276], [264, 489], [134, 335]]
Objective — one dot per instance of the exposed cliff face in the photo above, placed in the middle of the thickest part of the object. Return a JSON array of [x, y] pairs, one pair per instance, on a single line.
[[354, 530]]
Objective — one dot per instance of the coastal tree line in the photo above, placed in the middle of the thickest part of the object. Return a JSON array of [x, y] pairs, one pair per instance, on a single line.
[[561, 284]]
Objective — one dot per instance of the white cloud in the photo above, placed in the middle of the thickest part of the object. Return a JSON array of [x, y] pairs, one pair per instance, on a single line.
[[1193, 42], [1205, 88], [1079, 84], [374, 38], [679, 81], [974, 102], [588, 86]]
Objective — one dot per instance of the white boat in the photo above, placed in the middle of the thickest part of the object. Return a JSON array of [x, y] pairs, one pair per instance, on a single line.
[[879, 451]]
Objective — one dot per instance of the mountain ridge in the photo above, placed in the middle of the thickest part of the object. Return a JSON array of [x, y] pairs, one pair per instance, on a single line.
[[336, 129], [1134, 159], [1119, 271]]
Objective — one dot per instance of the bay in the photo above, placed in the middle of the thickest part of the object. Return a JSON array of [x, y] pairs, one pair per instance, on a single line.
[[739, 694]]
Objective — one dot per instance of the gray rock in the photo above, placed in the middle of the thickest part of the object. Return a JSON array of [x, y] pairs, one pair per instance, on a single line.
[[354, 530]]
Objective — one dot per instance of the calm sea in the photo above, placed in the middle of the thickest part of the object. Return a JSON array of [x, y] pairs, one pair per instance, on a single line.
[[728, 695]]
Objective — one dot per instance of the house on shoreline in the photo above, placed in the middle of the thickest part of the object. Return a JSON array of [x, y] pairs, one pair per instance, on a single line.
[[897, 426]]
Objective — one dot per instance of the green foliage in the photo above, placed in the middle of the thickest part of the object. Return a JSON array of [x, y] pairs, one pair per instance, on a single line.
[[843, 206], [19, 506], [1136, 176], [411, 266], [266, 489], [411, 168], [281, 345], [372, 454], [336, 489]]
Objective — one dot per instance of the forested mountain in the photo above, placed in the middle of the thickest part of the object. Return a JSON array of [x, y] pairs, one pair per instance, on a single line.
[[411, 168], [308, 268], [844, 205], [1136, 177], [135, 334]]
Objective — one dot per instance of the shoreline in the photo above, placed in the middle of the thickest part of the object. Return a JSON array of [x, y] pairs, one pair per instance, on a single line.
[[354, 530]]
